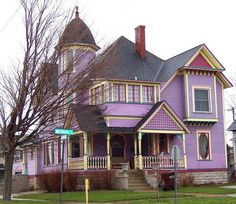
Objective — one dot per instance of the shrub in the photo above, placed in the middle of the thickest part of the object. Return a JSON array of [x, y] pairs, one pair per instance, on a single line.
[[70, 180], [186, 180], [49, 180]]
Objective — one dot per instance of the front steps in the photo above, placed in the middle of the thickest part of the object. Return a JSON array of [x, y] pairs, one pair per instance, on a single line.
[[137, 182]]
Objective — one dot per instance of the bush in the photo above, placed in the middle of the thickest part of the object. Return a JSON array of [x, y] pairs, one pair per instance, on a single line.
[[70, 180], [97, 179], [74, 180], [186, 180], [50, 181]]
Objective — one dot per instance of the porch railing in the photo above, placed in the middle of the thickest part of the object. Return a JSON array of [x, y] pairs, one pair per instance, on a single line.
[[161, 161], [96, 162], [76, 163]]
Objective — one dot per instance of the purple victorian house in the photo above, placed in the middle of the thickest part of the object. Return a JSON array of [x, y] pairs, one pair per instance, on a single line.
[[138, 110]]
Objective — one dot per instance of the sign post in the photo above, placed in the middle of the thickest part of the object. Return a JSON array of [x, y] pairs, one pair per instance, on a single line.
[[175, 153], [64, 133]]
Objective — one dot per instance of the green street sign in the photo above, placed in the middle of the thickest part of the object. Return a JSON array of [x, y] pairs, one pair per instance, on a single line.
[[59, 131]]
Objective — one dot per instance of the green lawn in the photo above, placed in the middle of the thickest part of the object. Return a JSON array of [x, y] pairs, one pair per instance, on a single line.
[[146, 197], [189, 201], [206, 190], [28, 202], [98, 196]]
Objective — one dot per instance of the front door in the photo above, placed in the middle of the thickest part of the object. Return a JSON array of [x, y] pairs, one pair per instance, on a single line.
[[117, 149]]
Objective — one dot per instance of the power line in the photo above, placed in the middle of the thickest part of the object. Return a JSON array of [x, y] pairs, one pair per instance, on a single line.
[[10, 19]]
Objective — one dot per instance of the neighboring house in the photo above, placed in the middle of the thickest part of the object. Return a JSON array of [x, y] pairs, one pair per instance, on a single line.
[[232, 128], [139, 108]]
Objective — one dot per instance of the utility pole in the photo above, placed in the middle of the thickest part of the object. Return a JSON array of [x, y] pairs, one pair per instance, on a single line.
[[233, 112]]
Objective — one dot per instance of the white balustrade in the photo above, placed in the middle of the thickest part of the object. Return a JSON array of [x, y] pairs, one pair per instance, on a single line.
[[96, 162], [161, 161]]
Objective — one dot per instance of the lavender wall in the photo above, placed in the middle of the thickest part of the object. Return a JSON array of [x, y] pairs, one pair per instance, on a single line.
[[217, 141], [174, 95], [201, 81], [113, 109]]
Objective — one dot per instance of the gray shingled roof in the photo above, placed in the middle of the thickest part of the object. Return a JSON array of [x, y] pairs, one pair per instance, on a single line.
[[232, 127], [129, 65]]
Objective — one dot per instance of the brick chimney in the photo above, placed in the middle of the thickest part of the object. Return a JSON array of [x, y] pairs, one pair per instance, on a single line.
[[140, 41]]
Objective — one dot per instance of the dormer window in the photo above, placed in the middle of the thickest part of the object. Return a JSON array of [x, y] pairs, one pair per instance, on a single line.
[[119, 92], [202, 99]]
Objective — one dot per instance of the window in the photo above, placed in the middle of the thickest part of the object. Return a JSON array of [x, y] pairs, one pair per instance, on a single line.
[[119, 92], [201, 99], [134, 93], [32, 153], [203, 145], [18, 155], [68, 60], [49, 153], [148, 94], [75, 150]]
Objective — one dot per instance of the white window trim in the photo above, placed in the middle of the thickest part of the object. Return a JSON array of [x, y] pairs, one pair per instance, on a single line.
[[209, 135], [209, 98]]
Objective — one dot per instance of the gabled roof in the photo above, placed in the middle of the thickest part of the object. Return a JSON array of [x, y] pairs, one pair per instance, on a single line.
[[172, 64], [129, 66], [232, 127]]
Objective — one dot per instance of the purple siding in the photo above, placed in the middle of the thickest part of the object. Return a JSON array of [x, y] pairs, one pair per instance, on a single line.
[[112, 109], [123, 122], [217, 141], [201, 81], [174, 95]]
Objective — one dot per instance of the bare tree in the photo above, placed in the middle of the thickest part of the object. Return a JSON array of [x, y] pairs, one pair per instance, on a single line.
[[32, 94]]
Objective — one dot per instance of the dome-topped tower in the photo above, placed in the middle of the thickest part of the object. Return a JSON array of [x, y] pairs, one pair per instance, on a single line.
[[77, 32]]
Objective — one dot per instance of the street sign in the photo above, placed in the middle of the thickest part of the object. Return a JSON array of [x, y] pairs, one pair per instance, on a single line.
[[63, 137], [59, 131]]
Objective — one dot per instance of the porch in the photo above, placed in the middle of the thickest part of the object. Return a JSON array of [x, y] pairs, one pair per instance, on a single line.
[[87, 151]]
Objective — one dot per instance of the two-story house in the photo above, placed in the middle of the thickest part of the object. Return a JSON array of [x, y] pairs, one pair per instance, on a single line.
[[139, 108]]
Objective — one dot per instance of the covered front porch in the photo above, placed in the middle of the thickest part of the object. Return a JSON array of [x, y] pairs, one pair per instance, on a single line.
[[96, 145], [95, 151]]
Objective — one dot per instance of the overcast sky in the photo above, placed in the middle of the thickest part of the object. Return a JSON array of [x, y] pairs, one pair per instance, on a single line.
[[172, 26]]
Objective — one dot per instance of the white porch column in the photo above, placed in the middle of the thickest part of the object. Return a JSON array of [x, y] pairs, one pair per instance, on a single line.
[[108, 151], [85, 150], [140, 162], [184, 151], [135, 151], [24, 162]]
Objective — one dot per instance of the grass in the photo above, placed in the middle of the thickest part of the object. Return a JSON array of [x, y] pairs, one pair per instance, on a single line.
[[98, 196], [144, 197], [189, 200], [27, 202], [206, 190]]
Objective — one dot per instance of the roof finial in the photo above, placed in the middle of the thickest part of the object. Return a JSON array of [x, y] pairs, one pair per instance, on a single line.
[[76, 12]]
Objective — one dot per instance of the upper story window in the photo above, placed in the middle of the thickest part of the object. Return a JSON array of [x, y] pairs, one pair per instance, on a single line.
[[119, 92], [148, 94], [203, 145], [134, 93], [68, 62], [18, 155], [202, 100]]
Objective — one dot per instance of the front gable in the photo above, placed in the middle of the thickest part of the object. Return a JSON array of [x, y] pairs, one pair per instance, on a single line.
[[163, 121], [162, 118], [204, 58], [200, 61]]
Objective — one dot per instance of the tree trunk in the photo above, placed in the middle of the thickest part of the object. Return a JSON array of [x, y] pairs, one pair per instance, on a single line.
[[7, 188]]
